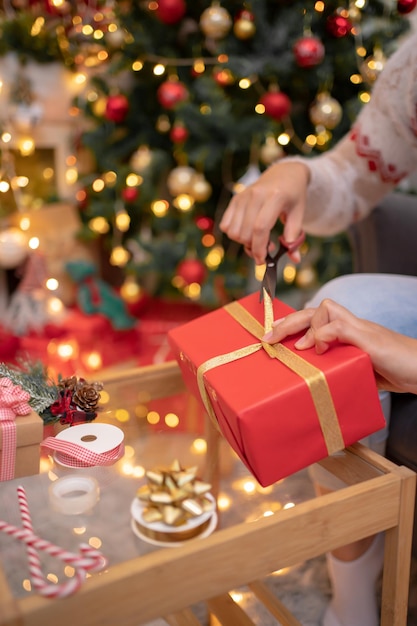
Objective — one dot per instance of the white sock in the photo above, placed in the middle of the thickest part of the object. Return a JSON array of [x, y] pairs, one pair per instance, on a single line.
[[354, 601]]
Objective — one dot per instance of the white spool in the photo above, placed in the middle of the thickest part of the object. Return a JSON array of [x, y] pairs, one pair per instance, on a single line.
[[97, 438]]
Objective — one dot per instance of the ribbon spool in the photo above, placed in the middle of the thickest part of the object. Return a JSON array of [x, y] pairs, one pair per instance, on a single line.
[[161, 534], [87, 445]]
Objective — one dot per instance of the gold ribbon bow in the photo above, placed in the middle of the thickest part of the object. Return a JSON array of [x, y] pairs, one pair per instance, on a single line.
[[312, 376], [174, 495]]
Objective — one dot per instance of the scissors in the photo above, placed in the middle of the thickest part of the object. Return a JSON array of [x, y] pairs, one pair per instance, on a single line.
[[269, 282]]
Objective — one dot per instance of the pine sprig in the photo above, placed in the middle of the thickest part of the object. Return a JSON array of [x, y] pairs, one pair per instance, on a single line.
[[33, 378]]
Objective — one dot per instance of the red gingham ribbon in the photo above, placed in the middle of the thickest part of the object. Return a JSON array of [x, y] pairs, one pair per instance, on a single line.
[[76, 455], [13, 402]]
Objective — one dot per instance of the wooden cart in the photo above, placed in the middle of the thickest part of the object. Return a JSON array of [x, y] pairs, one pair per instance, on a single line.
[[380, 497]]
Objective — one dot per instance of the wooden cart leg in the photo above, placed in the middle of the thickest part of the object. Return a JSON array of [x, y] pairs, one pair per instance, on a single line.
[[212, 464], [397, 560]]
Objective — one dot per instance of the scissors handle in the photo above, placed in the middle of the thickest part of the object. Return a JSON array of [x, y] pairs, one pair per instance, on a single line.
[[290, 246]]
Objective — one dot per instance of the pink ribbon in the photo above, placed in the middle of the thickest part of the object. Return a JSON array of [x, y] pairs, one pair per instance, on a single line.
[[13, 402], [76, 455]]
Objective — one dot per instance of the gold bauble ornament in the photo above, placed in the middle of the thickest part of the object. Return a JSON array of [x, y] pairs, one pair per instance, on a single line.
[[372, 66], [200, 188], [270, 151], [325, 111], [244, 29], [180, 180], [215, 22], [141, 159], [163, 124]]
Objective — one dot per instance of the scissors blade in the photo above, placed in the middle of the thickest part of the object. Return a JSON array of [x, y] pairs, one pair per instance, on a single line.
[[270, 279]]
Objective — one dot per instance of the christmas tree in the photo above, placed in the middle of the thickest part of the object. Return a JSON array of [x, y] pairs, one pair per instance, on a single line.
[[188, 101]]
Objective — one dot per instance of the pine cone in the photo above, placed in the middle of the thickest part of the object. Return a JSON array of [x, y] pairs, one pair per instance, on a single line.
[[70, 383], [87, 396]]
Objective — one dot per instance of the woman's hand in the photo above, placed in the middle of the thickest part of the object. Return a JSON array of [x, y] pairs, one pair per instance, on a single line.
[[393, 356], [279, 193]]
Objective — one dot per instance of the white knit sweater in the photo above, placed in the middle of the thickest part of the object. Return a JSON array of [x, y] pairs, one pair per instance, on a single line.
[[378, 152]]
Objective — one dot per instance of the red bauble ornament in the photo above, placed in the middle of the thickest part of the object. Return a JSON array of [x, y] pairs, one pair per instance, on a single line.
[[130, 194], [338, 26], [116, 108], [406, 6], [192, 271], [170, 93], [277, 104], [171, 11], [308, 51], [178, 133]]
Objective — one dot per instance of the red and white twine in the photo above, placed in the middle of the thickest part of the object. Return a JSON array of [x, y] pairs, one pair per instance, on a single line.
[[88, 559]]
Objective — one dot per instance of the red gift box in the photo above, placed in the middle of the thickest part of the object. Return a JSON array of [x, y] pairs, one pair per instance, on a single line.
[[280, 409]]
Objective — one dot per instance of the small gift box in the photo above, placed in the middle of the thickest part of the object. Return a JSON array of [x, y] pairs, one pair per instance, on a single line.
[[280, 409], [21, 431], [24, 460]]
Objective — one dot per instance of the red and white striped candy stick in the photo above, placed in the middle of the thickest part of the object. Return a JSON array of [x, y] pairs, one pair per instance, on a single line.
[[88, 559]]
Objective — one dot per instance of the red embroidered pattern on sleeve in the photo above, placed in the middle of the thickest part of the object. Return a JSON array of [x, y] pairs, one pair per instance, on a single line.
[[388, 172]]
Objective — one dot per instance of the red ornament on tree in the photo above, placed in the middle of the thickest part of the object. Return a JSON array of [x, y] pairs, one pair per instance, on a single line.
[[178, 133], [277, 104], [308, 51], [338, 26], [130, 194], [406, 6], [171, 11], [117, 107], [170, 93], [192, 271]]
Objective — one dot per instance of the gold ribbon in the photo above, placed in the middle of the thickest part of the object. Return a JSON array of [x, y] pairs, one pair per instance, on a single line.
[[171, 537], [312, 376]]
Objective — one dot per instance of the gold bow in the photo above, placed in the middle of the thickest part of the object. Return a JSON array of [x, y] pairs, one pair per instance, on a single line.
[[174, 495]]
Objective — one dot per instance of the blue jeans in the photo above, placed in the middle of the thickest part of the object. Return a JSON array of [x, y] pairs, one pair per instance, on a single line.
[[387, 299]]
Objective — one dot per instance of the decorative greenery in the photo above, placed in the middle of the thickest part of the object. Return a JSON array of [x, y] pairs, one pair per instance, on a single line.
[[69, 401], [33, 378]]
